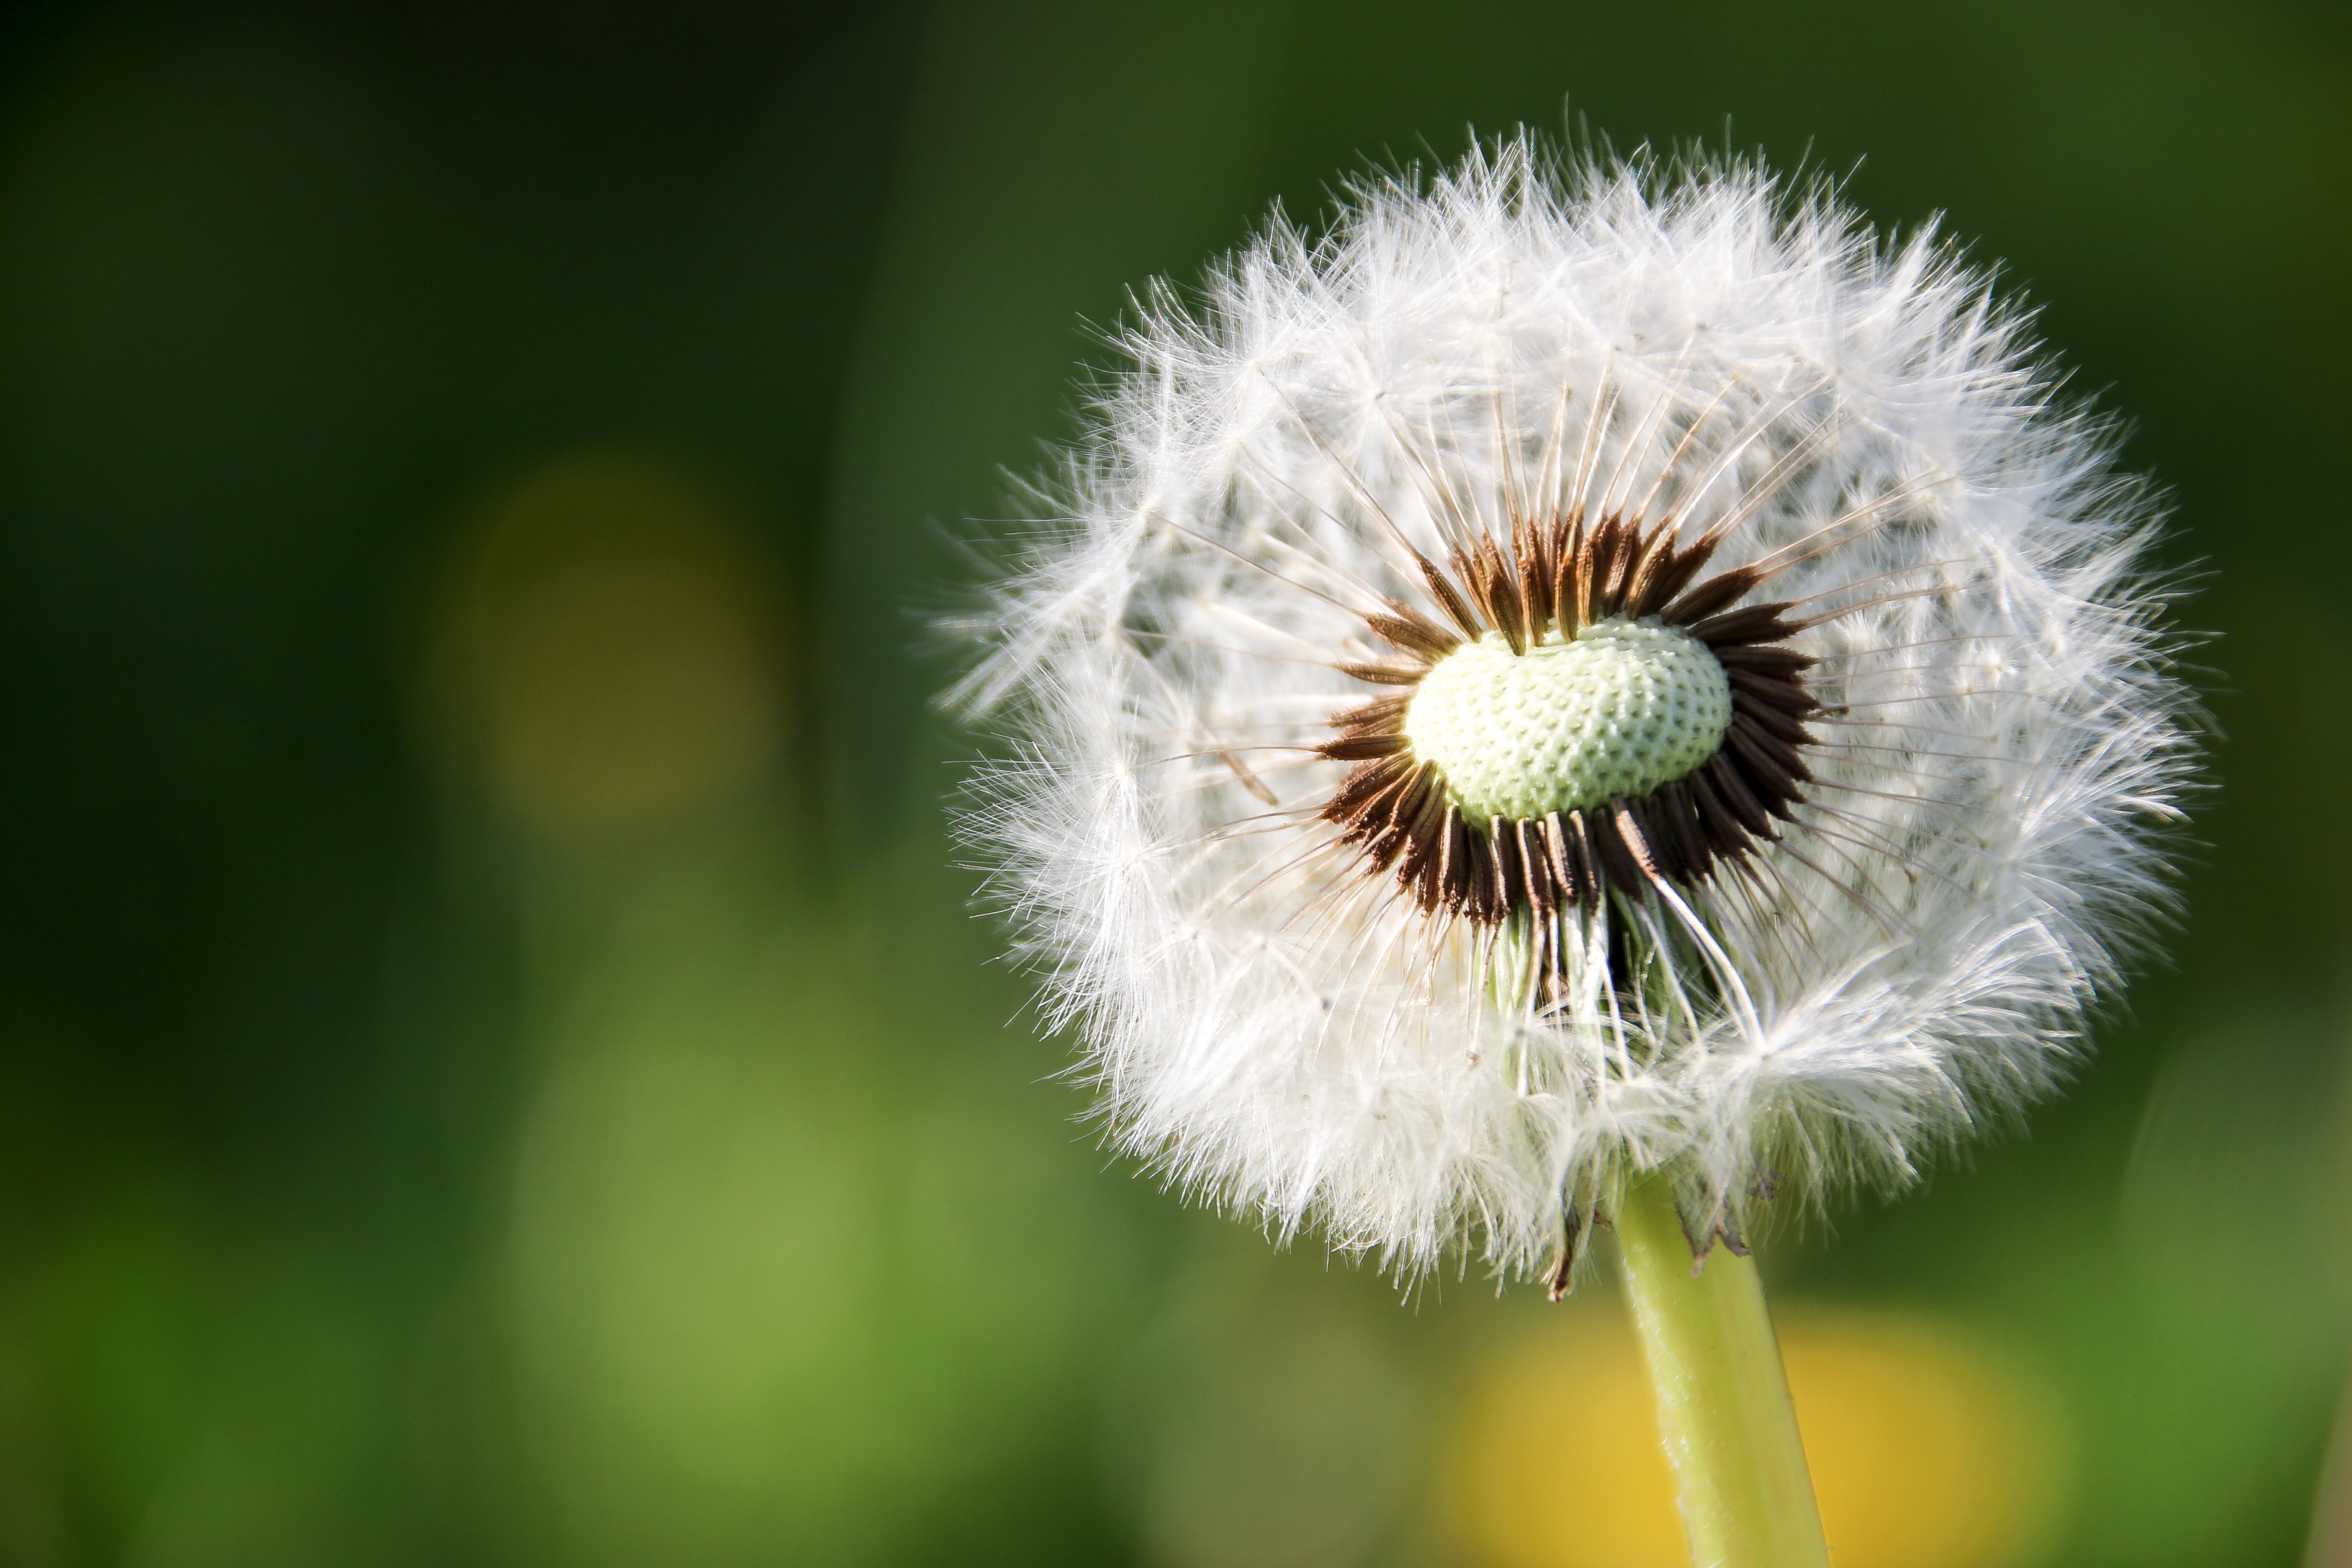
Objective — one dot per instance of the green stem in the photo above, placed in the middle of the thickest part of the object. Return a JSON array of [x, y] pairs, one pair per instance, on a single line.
[[1723, 1400]]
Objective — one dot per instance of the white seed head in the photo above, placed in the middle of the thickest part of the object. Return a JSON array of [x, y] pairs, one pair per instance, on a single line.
[[1580, 669], [1618, 709]]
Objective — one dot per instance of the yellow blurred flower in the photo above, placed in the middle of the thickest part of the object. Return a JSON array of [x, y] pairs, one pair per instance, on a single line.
[[1930, 1447]]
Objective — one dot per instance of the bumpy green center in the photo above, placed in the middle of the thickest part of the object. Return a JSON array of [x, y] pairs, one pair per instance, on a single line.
[[1618, 709]]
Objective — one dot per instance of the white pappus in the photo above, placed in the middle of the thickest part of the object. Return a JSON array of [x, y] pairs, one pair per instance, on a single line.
[[1586, 667]]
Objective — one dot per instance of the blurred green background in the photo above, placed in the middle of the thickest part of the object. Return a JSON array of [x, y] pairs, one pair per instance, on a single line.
[[496, 1065]]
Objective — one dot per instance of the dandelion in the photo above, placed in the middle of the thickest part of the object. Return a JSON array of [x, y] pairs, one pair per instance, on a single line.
[[1589, 692]]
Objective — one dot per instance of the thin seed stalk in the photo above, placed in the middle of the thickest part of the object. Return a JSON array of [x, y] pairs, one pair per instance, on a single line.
[[1722, 1399]]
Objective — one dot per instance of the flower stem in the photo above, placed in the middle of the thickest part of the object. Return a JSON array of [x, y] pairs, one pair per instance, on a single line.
[[1723, 1400]]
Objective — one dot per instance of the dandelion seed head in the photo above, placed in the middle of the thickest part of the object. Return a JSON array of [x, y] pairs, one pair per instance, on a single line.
[[1580, 669]]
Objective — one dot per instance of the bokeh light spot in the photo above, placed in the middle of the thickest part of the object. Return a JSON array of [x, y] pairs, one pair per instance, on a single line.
[[1263, 1427], [609, 652]]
